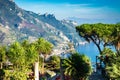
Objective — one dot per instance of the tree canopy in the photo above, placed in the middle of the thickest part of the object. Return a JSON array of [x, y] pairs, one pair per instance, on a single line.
[[77, 66], [21, 57], [43, 46], [105, 34], [16, 54]]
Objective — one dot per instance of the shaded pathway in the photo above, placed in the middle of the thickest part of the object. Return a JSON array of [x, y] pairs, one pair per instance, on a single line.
[[96, 76]]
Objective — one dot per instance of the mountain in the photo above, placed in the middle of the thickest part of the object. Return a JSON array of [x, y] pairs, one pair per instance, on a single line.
[[17, 24], [91, 21]]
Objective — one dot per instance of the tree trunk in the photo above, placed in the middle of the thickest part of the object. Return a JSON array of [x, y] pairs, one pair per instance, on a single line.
[[100, 51], [36, 71], [98, 46], [82, 79], [1, 65], [117, 47]]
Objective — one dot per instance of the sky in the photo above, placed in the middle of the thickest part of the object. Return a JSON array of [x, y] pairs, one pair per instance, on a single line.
[[62, 9]]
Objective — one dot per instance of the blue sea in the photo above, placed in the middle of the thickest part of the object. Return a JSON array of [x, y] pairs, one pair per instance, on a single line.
[[90, 50]]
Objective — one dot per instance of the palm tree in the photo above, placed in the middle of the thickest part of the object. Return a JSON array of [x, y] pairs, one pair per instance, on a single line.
[[53, 63], [30, 53], [43, 47], [16, 54], [77, 66]]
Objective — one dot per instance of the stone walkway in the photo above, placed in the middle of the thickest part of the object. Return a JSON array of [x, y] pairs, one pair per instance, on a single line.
[[96, 76]]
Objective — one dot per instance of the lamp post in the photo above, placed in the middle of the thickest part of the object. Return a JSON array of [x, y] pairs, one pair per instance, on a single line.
[[96, 62], [61, 67], [62, 56]]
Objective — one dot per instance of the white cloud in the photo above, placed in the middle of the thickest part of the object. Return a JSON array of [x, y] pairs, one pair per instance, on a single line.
[[77, 5]]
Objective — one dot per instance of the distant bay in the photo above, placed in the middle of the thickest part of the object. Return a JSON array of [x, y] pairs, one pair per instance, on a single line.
[[90, 50]]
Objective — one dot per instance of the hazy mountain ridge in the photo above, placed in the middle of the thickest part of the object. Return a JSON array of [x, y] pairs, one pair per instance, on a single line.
[[92, 21], [21, 24]]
